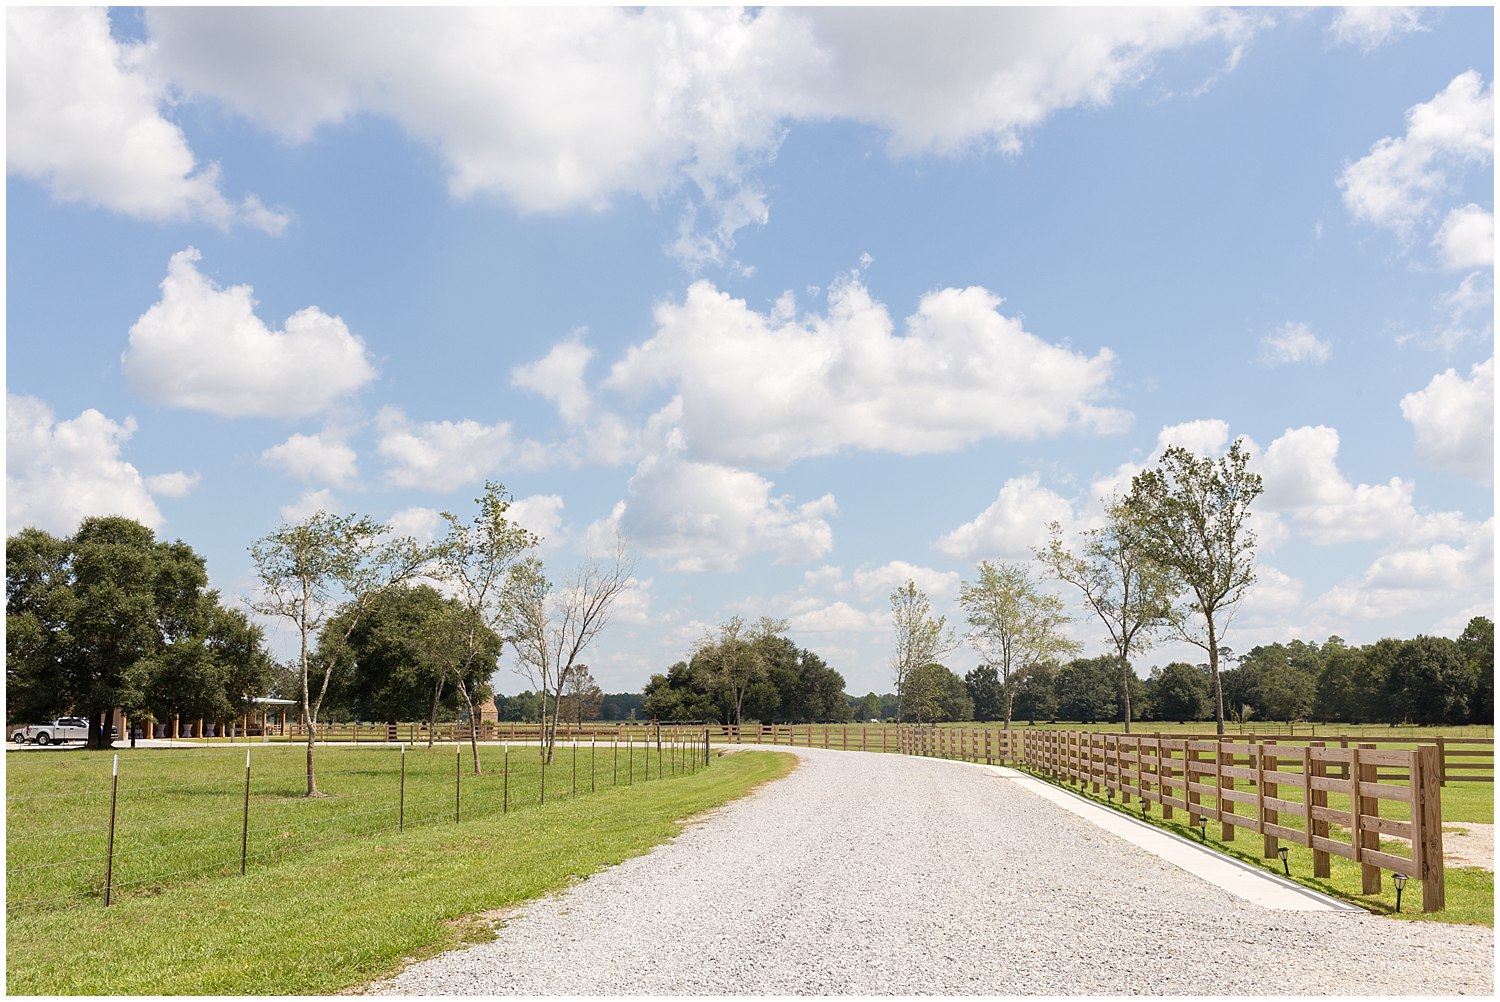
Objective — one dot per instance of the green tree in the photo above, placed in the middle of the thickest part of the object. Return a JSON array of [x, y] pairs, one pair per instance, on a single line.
[[1477, 646], [934, 693], [111, 617], [1192, 513], [1129, 591], [1086, 690], [735, 660], [523, 707], [474, 559], [1179, 692], [1036, 693], [311, 569], [805, 688], [1286, 679], [1013, 623], [920, 639], [680, 694], [213, 675], [622, 706], [583, 699], [986, 692], [1336, 696], [868, 708], [1430, 682], [405, 656]]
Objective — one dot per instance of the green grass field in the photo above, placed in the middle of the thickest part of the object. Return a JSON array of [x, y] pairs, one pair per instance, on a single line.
[[317, 912], [181, 813]]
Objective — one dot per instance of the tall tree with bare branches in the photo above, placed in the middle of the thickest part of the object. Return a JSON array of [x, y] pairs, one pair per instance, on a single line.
[[551, 629], [1128, 591]]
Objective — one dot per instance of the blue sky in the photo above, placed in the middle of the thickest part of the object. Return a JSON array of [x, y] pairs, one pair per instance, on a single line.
[[801, 302]]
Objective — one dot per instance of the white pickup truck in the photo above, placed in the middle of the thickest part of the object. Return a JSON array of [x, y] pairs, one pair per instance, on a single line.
[[59, 731]]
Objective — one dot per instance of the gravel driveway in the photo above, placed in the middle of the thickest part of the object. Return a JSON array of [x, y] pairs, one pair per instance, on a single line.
[[873, 874]]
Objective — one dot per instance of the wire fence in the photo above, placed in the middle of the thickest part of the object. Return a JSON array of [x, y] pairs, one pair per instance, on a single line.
[[92, 826]]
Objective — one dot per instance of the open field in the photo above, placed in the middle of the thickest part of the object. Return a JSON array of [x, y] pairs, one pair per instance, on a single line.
[[337, 913], [185, 813]]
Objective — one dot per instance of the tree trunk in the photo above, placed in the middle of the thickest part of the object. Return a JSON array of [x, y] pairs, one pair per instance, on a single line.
[[1213, 663], [99, 739], [473, 724], [1125, 689], [437, 694]]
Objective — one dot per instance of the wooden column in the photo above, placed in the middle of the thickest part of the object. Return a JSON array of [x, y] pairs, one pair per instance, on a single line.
[[1322, 861], [1427, 825], [1269, 843], [1368, 807], [1223, 782]]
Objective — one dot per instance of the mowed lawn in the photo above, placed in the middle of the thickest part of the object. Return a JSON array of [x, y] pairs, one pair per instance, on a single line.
[[336, 892]]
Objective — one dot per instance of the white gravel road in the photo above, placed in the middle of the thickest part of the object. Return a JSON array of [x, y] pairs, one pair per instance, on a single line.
[[882, 874]]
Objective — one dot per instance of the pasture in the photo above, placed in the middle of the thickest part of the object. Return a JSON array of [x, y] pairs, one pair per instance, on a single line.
[[336, 890]]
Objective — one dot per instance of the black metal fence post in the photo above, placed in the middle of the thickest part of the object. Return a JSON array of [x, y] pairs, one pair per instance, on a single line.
[[109, 865], [245, 824]]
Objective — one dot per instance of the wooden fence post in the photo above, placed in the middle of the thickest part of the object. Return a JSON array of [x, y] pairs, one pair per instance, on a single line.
[[1427, 825], [1317, 828], [1368, 807], [1264, 815], [1222, 783]]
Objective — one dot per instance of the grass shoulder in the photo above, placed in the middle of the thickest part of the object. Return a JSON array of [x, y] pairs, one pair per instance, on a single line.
[[337, 918]]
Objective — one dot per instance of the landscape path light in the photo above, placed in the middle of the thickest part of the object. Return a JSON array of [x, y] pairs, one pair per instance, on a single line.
[[1281, 851], [1400, 880], [1203, 829]]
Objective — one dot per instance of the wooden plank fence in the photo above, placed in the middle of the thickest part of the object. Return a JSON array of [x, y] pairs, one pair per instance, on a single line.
[[1461, 760], [1282, 793]]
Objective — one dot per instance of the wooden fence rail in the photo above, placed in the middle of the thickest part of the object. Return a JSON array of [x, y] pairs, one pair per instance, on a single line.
[[1461, 760], [1300, 795]]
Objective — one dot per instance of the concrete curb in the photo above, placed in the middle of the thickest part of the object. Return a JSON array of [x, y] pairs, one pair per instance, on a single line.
[[1238, 878]]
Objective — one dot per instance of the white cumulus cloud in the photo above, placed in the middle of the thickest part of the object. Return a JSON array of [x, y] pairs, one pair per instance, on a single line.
[[565, 107], [1302, 479], [1014, 522], [1454, 420], [881, 581], [709, 517], [1467, 238], [319, 458], [767, 388], [442, 455], [202, 347], [83, 120], [58, 472], [1395, 184]]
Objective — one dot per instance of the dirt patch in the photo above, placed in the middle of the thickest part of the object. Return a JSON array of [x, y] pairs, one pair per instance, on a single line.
[[1468, 843]]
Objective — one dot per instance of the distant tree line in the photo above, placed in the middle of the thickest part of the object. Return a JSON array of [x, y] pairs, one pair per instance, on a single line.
[[1422, 680], [748, 672]]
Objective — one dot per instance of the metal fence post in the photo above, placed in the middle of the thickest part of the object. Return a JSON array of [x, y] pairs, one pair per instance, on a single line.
[[109, 865], [245, 825]]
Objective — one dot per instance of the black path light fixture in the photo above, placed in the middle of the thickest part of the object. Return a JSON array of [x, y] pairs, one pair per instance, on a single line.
[[1281, 851], [1203, 829], [1400, 881]]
